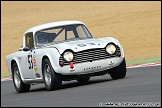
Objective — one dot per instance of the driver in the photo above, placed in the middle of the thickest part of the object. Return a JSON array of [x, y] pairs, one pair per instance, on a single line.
[[42, 39]]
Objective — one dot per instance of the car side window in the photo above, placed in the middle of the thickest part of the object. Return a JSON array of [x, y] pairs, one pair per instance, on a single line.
[[29, 40], [80, 31]]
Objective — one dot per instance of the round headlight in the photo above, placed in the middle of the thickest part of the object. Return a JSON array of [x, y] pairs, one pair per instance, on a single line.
[[110, 49], [68, 56]]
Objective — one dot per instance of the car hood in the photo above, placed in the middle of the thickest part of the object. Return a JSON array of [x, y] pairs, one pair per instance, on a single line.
[[82, 44]]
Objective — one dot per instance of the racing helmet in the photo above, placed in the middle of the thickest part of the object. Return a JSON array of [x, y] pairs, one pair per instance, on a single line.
[[42, 39]]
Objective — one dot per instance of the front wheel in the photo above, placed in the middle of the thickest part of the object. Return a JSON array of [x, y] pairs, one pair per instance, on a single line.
[[19, 85], [52, 80], [119, 71]]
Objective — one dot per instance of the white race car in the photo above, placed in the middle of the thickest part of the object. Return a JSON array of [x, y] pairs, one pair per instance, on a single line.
[[63, 51]]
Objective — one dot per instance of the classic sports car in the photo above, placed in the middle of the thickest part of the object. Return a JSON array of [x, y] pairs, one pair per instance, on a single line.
[[64, 51]]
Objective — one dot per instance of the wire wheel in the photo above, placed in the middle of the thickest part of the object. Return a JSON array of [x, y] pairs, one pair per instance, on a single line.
[[16, 77], [47, 74], [19, 85], [52, 80]]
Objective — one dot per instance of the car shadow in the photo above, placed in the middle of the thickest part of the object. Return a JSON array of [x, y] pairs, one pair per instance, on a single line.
[[73, 83], [90, 82]]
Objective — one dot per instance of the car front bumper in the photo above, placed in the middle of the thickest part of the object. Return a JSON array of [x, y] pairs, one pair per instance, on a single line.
[[91, 67]]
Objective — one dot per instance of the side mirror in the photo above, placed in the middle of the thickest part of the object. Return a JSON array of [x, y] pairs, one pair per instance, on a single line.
[[26, 49]]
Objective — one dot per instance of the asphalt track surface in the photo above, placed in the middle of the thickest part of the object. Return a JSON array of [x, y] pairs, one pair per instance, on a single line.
[[141, 84]]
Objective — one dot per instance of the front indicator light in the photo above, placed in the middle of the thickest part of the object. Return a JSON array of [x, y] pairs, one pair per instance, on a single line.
[[61, 63], [119, 54]]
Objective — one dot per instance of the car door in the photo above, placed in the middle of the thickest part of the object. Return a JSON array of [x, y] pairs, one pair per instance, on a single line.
[[26, 56]]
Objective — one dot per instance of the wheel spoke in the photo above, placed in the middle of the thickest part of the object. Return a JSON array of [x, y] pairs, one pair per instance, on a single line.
[[47, 74], [16, 77], [48, 69]]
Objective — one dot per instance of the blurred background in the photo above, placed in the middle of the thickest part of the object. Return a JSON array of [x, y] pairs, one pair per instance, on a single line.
[[136, 24]]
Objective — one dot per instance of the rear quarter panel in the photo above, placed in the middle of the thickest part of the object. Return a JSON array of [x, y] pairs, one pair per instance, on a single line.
[[9, 58]]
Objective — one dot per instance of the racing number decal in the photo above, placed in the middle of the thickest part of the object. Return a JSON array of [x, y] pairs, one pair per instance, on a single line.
[[30, 61]]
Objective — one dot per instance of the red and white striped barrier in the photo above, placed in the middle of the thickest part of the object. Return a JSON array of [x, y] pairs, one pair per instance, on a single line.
[[130, 66]]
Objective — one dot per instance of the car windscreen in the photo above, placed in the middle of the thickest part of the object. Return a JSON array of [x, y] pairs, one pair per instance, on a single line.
[[62, 33]]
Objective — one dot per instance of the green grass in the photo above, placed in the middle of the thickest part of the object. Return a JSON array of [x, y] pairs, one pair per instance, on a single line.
[[128, 62], [141, 61], [5, 75]]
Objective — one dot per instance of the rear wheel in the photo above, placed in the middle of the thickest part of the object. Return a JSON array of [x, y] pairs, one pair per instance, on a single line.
[[81, 80], [19, 85], [52, 80], [119, 71]]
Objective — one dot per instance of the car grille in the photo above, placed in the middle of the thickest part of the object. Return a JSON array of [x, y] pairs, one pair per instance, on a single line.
[[90, 55]]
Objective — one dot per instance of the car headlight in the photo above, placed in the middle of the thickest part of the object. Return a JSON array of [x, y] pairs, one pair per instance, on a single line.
[[68, 56], [110, 49]]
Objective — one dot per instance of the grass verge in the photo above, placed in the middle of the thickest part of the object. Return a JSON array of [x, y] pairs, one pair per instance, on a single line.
[[141, 61]]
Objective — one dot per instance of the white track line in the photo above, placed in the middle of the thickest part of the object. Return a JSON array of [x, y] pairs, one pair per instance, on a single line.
[[131, 66], [6, 79], [144, 65]]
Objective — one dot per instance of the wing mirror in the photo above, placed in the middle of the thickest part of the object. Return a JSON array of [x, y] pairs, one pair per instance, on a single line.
[[26, 49]]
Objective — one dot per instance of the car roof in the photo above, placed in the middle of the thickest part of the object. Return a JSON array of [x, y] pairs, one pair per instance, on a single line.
[[52, 24]]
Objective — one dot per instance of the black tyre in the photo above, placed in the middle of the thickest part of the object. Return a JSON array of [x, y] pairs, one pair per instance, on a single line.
[[52, 80], [119, 71], [81, 80], [19, 85]]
